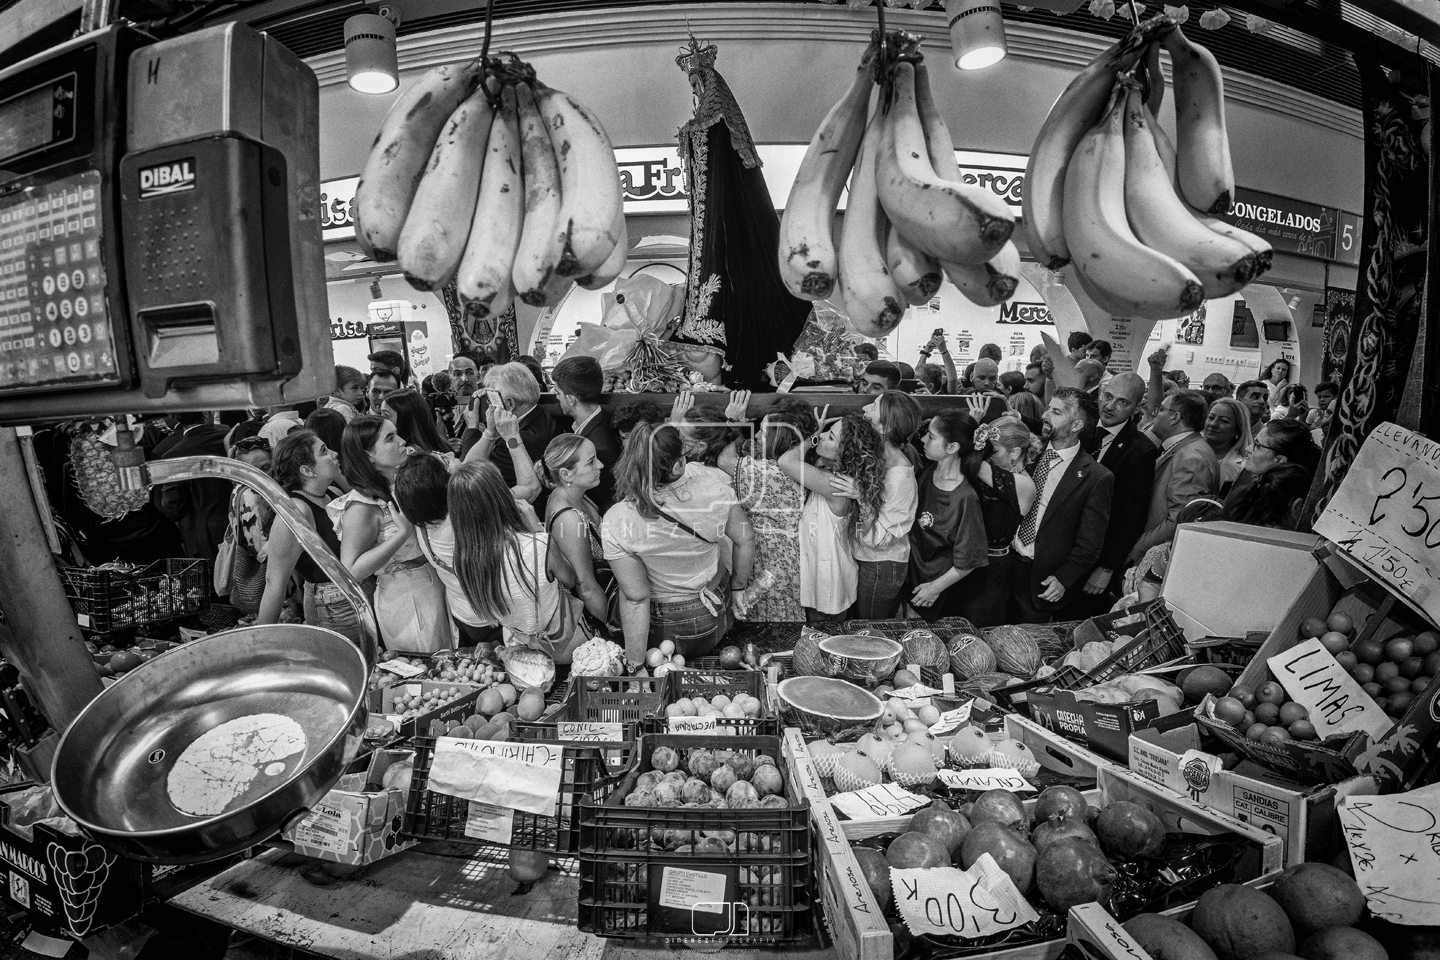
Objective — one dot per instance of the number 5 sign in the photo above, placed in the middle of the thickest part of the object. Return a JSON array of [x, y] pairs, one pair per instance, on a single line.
[[1386, 514]]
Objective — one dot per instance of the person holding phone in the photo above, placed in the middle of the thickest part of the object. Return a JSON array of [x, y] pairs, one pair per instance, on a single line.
[[512, 387], [937, 342]]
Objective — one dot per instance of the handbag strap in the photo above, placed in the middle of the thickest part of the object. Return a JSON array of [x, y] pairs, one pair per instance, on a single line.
[[683, 525]]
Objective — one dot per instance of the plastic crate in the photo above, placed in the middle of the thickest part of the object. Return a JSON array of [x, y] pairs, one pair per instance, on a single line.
[[607, 700], [587, 772], [109, 599], [709, 683], [622, 869]]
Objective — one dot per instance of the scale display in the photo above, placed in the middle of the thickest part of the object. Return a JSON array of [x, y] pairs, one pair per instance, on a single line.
[[54, 327], [41, 117]]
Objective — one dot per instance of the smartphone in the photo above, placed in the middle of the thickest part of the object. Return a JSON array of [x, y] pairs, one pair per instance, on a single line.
[[939, 332]]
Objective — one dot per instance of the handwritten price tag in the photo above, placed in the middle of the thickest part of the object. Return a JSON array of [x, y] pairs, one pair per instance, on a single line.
[[1393, 847], [949, 902], [874, 803], [1386, 514], [402, 669], [580, 731], [986, 778], [1337, 704], [952, 720], [693, 725], [517, 776]]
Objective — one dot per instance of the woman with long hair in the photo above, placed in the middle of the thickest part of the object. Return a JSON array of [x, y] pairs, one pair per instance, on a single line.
[[882, 538], [1227, 430], [662, 542], [1002, 451], [506, 569], [378, 541], [306, 468], [414, 421], [1276, 378], [329, 425], [948, 541], [570, 469], [250, 518]]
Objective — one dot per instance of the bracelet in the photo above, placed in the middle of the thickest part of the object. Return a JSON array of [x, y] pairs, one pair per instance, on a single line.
[[487, 435]]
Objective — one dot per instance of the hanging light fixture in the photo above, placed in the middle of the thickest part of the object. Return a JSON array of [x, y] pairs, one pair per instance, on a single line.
[[370, 61], [977, 33]]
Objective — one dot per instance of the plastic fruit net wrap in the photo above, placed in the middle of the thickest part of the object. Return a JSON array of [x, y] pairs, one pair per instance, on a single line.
[[825, 349], [637, 317]]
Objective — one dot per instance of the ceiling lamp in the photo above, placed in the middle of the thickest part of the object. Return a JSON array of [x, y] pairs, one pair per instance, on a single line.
[[370, 62], [977, 33]]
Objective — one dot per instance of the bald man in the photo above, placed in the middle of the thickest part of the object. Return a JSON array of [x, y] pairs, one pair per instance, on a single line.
[[985, 376], [1130, 455], [1091, 372]]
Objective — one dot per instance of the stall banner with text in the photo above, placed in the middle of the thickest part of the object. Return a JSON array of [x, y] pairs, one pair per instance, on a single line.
[[1337, 704], [950, 902], [517, 776], [1385, 514], [1394, 845]]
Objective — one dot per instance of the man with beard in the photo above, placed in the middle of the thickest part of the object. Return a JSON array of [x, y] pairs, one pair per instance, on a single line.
[[464, 379], [1121, 448]]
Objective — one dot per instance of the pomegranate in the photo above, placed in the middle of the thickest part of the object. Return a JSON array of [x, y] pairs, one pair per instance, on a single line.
[[1010, 850], [1071, 872]]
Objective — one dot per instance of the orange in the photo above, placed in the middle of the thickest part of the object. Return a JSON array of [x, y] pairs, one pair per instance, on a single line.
[[1203, 680], [1317, 895], [1240, 923]]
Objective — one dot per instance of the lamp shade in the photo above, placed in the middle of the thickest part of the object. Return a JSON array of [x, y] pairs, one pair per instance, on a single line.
[[370, 62], [977, 33]]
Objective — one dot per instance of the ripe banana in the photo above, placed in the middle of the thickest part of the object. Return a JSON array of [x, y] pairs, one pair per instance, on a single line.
[[872, 300], [949, 220], [483, 280], [1207, 180], [1078, 109], [914, 271], [589, 183], [438, 225], [1141, 282], [808, 263], [939, 145], [614, 263], [401, 150], [991, 283], [1154, 79], [1161, 220], [537, 254], [1264, 253]]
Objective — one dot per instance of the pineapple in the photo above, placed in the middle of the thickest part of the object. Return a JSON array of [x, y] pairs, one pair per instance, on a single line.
[[98, 479]]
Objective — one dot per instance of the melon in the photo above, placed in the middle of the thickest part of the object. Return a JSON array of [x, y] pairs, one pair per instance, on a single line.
[[855, 771], [911, 765], [1016, 651], [970, 656], [863, 659], [805, 659], [928, 652], [876, 748], [828, 705], [823, 754]]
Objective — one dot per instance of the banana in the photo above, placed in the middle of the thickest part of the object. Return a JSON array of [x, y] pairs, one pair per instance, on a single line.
[[438, 225], [1264, 253], [1154, 79], [483, 280], [1078, 109], [949, 220], [1135, 280], [400, 152], [1207, 180], [872, 300], [1164, 146], [1161, 220], [614, 263], [915, 272], [938, 144], [807, 255], [991, 283], [589, 183], [537, 254]]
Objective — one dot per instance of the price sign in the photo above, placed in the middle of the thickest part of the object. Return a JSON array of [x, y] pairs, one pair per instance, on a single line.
[[952, 720], [516, 776], [949, 902], [986, 778], [692, 725], [582, 731], [1337, 704], [1386, 514], [403, 668], [874, 803], [1394, 847]]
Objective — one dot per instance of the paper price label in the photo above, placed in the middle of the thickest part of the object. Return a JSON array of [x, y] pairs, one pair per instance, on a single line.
[[952, 720], [1386, 514], [403, 669], [1394, 845], [917, 694], [326, 827], [986, 778], [517, 776], [490, 823], [1337, 704], [881, 800], [692, 725], [697, 890], [588, 731], [949, 902]]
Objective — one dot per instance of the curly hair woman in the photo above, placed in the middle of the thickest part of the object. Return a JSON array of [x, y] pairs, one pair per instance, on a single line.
[[948, 541], [846, 489], [882, 541]]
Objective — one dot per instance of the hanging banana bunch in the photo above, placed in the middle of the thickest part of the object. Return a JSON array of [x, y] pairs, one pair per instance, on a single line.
[[909, 220], [483, 175], [1106, 189]]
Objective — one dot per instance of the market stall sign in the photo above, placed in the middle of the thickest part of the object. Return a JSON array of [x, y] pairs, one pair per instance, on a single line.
[[1337, 704], [1385, 515], [949, 902], [692, 725], [516, 776], [1294, 226], [1393, 846], [877, 802], [568, 730], [986, 778], [952, 720]]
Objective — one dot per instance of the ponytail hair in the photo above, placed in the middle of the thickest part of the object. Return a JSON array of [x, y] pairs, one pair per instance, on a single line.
[[562, 453], [1010, 432], [648, 464], [957, 426]]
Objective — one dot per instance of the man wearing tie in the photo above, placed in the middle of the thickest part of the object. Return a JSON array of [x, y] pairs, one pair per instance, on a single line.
[[1060, 539], [1128, 454]]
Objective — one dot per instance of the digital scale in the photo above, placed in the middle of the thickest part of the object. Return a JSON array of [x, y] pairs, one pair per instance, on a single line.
[[160, 241]]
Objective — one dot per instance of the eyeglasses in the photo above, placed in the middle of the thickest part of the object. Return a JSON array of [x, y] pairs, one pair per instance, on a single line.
[[251, 444], [1265, 446]]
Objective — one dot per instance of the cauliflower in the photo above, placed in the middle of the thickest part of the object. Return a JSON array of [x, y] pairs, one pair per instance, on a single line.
[[598, 658]]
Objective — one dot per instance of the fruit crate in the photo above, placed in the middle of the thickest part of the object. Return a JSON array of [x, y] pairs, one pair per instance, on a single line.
[[597, 709], [107, 598], [587, 772], [762, 893], [710, 683]]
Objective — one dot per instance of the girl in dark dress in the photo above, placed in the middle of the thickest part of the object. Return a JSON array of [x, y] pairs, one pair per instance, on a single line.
[[1002, 449], [947, 542]]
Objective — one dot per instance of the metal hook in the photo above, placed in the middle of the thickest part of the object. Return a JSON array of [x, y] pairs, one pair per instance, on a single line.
[[489, 27]]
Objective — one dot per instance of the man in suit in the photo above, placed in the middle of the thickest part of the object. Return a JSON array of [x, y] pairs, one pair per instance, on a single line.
[[199, 508], [579, 384], [1060, 539], [516, 388], [1127, 453], [1187, 468]]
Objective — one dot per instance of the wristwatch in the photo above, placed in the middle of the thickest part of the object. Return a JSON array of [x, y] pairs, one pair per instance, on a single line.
[[513, 442]]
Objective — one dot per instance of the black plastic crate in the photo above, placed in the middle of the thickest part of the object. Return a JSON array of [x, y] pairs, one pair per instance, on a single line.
[[623, 852], [587, 772], [106, 599], [621, 701], [709, 683]]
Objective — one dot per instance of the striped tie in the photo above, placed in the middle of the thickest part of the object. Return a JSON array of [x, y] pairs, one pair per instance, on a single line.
[[1031, 524]]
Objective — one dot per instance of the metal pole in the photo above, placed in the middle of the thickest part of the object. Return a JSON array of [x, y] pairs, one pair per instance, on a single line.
[[43, 640]]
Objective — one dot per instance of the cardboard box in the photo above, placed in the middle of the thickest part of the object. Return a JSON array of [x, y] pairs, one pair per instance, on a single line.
[[1255, 571], [381, 702], [1303, 817], [1403, 758], [1096, 933], [1103, 727], [1055, 753], [351, 824]]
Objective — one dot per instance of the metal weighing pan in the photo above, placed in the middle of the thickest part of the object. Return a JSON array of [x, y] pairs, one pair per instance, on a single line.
[[219, 743]]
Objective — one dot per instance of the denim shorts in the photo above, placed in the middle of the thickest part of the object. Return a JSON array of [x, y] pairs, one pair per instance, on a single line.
[[326, 606]]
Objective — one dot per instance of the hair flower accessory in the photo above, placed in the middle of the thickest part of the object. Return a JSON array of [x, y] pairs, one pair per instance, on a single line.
[[985, 433]]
